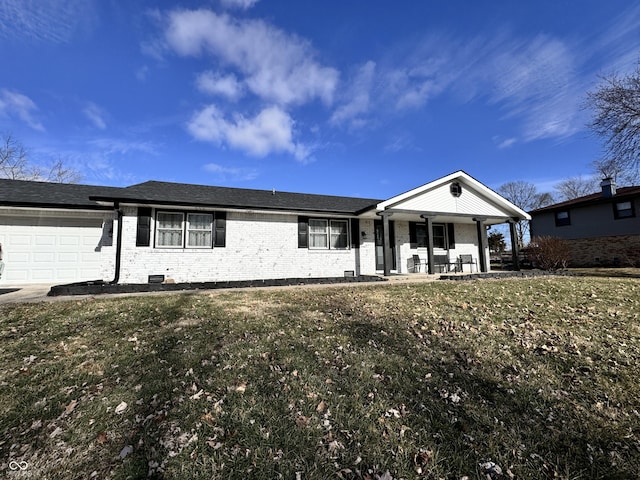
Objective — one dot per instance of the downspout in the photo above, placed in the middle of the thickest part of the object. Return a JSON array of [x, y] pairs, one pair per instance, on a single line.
[[118, 211]]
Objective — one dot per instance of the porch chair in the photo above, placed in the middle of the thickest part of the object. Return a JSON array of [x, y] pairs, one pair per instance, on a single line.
[[467, 260], [417, 262], [442, 263]]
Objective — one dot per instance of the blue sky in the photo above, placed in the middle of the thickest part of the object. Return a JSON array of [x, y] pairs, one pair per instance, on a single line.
[[362, 97]]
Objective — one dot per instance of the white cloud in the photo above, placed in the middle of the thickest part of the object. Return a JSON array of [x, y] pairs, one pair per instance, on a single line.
[[234, 173], [278, 67], [358, 98], [503, 143], [96, 115], [213, 83], [271, 131], [241, 4], [50, 21], [14, 104]]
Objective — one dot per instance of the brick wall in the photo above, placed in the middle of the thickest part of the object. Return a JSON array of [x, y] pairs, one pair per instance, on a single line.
[[623, 250], [258, 246]]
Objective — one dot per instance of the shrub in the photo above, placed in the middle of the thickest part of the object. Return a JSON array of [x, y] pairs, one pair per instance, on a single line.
[[549, 253]]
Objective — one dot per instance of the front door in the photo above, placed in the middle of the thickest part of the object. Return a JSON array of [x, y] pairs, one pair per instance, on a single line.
[[379, 237]]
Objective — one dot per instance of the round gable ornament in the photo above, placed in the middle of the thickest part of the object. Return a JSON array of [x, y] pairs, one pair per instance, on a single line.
[[456, 189]]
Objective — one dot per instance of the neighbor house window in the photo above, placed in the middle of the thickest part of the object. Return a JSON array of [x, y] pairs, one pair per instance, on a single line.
[[328, 234], [563, 218], [199, 230], [623, 210], [169, 229]]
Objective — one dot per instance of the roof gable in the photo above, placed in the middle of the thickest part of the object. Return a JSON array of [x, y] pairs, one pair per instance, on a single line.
[[436, 196]]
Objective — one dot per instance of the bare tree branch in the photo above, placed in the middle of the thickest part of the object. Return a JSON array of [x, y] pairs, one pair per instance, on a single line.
[[616, 119], [15, 165], [576, 187], [526, 196]]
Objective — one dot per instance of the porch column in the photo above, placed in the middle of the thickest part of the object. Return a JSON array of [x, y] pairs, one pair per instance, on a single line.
[[428, 220], [388, 260], [515, 247], [482, 242]]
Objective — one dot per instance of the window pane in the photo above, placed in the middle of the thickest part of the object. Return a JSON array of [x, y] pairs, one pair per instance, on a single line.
[[170, 238], [169, 229], [200, 221], [338, 234], [170, 220], [318, 233], [199, 229], [421, 235], [199, 239], [438, 236]]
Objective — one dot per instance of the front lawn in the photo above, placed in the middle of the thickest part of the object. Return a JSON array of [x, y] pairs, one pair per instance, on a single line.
[[516, 378]]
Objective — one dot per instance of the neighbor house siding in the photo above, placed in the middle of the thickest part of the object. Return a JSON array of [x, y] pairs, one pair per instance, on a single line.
[[586, 222], [258, 246]]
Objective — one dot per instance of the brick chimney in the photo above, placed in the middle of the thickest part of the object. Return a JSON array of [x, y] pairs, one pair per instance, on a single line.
[[608, 187]]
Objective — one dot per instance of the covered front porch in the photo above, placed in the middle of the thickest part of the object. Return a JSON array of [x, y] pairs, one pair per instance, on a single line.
[[438, 242], [441, 227]]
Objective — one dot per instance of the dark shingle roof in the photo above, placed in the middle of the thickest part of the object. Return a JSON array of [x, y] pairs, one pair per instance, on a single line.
[[592, 199], [21, 193], [165, 193]]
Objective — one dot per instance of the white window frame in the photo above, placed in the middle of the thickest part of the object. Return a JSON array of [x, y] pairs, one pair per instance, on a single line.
[[332, 235], [328, 233], [160, 229], [324, 234], [189, 229]]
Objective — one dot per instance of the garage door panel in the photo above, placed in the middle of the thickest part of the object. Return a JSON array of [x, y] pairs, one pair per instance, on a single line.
[[45, 240], [68, 257], [51, 249], [19, 240], [44, 257]]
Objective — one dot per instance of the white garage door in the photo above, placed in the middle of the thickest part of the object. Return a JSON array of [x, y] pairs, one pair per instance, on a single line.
[[50, 250]]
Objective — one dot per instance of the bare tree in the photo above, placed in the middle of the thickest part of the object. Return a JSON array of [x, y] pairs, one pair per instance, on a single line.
[[616, 119], [14, 164], [576, 187], [526, 196]]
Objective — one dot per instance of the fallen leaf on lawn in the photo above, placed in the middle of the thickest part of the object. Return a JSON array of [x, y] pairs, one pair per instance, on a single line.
[[196, 396], [421, 459], [302, 421], [121, 408], [102, 437], [69, 408], [215, 445], [322, 406]]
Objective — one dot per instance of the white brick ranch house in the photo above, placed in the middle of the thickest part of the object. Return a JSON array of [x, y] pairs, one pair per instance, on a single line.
[[157, 231]]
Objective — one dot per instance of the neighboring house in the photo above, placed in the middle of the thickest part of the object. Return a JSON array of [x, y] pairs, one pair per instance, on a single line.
[[602, 228], [194, 233]]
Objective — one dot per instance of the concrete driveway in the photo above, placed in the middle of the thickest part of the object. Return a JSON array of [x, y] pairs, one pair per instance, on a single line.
[[24, 293]]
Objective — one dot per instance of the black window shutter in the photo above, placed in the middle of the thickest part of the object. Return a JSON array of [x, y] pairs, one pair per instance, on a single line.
[[303, 232], [143, 233], [451, 235], [355, 233], [413, 236], [220, 229]]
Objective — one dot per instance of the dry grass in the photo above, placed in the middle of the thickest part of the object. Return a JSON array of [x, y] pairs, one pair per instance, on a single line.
[[531, 378]]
